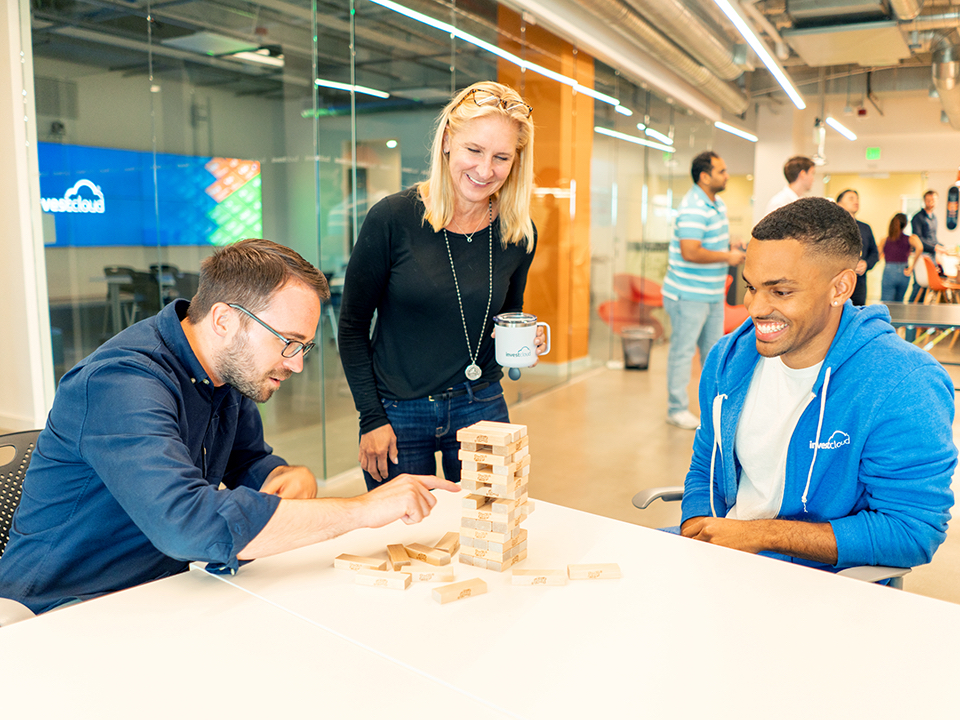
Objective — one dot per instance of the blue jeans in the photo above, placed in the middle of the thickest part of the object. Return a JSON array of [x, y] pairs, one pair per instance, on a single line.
[[894, 282], [693, 325], [425, 426]]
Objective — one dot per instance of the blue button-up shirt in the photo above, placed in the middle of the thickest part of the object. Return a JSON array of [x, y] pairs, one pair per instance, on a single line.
[[123, 487]]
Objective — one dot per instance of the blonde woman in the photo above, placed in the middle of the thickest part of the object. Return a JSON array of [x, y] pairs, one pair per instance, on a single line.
[[436, 262]]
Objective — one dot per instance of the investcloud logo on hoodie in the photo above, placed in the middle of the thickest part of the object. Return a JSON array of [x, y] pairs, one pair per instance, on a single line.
[[838, 439]]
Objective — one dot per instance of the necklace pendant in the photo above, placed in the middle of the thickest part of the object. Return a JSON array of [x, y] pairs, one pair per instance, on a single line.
[[473, 372]]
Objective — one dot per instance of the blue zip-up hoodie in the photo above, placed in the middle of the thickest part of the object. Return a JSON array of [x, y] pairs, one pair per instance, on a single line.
[[872, 453]]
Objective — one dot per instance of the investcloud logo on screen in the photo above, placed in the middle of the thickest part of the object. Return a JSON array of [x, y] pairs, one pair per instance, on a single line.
[[73, 202]]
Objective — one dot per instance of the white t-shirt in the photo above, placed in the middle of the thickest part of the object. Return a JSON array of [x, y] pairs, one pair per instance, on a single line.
[[784, 197], [776, 399]]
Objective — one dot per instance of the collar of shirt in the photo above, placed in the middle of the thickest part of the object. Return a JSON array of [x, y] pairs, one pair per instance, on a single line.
[[168, 325], [716, 203]]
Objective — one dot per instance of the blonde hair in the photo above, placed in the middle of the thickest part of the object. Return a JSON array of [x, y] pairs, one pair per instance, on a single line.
[[514, 196]]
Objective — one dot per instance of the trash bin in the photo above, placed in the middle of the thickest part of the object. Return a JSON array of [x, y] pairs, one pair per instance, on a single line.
[[637, 340]]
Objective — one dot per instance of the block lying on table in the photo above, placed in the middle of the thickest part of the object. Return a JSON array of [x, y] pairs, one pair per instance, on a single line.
[[398, 556], [459, 590], [449, 543], [429, 555], [443, 573], [356, 562]]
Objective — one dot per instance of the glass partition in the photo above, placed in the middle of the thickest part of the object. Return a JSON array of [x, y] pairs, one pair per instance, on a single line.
[[169, 128]]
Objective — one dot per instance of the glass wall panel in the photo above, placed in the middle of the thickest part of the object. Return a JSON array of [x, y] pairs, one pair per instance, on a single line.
[[169, 128]]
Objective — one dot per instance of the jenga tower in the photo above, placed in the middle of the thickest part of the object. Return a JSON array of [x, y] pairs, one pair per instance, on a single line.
[[496, 464]]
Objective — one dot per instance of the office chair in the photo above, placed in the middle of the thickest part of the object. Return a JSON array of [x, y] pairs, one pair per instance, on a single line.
[[11, 481], [866, 573]]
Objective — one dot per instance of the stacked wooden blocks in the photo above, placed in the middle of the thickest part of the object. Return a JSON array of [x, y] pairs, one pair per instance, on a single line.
[[495, 460]]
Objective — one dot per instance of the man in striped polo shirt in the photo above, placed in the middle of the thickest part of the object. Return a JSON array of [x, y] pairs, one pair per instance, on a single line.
[[696, 277]]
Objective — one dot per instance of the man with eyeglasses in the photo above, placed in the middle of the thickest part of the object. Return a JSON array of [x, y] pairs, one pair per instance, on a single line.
[[153, 455]]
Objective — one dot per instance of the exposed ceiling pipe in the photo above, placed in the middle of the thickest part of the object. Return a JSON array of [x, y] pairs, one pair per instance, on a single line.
[[905, 9], [946, 78], [632, 26], [932, 21], [675, 20], [781, 48]]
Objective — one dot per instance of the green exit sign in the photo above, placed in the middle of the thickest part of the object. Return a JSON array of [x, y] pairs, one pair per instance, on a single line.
[[873, 153]]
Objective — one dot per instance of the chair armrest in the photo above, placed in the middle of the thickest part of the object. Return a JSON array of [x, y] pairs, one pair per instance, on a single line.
[[13, 612], [876, 573], [671, 493]]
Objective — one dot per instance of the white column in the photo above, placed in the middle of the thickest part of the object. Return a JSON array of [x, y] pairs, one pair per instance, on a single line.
[[26, 362]]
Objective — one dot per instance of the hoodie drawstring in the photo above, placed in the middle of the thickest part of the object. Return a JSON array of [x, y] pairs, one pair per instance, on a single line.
[[816, 444], [717, 405]]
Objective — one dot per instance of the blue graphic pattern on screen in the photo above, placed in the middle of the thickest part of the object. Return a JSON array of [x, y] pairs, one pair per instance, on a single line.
[[105, 197]]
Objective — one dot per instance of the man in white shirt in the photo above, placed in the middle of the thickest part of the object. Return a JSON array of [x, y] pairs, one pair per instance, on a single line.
[[799, 172]]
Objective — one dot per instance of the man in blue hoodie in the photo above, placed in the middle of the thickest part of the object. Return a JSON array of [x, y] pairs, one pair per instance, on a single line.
[[825, 439]]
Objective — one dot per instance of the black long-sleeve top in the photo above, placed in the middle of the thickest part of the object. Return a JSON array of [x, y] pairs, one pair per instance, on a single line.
[[400, 269]]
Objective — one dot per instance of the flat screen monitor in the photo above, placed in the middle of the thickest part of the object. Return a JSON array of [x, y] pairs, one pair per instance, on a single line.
[[110, 197]]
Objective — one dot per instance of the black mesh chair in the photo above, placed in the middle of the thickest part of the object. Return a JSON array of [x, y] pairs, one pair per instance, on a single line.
[[16, 449], [120, 297]]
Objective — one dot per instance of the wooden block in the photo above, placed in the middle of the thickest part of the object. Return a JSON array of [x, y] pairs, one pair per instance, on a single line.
[[470, 560], [472, 502], [486, 513], [493, 555], [493, 459], [539, 577], [528, 507], [383, 578], [490, 536], [506, 564], [515, 431], [459, 590], [511, 492], [439, 574], [505, 505], [429, 555], [490, 526], [356, 562], [496, 546], [496, 449], [595, 571], [398, 556], [449, 543], [508, 470], [486, 435]]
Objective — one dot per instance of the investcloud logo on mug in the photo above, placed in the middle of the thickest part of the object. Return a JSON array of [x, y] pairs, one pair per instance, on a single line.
[[516, 339]]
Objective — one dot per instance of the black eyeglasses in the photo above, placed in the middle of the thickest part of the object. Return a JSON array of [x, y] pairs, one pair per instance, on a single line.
[[291, 347], [484, 98]]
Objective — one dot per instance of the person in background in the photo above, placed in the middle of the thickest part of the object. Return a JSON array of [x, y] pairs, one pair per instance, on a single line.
[[901, 253], [849, 200], [829, 442], [924, 226], [436, 263], [697, 263], [153, 454], [799, 173]]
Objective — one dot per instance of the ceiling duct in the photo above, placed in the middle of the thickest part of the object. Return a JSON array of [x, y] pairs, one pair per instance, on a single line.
[[684, 28], [932, 21], [946, 78], [632, 26], [905, 9]]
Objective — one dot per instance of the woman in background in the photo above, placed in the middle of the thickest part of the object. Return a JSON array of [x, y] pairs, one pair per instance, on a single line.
[[895, 249]]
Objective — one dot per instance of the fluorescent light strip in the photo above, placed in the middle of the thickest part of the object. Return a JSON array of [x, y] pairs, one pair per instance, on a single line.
[[758, 47], [260, 57], [634, 139], [840, 128], [623, 110], [483, 44], [657, 135], [354, 88], [735, 131]]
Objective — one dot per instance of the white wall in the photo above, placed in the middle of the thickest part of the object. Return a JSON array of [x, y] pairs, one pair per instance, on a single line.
[[26, 366]]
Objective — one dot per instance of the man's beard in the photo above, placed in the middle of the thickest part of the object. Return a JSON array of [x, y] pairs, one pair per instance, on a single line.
[[236, 366]]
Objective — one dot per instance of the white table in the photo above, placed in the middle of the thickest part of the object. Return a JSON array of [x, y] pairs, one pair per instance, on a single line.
[[690, 629]]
